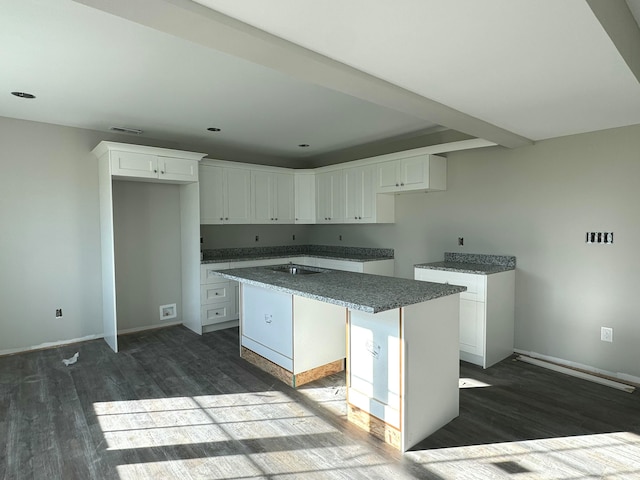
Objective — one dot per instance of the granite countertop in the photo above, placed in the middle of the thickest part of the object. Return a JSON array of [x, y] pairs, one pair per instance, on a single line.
[[472, 263], [354, 254], [357, 291]]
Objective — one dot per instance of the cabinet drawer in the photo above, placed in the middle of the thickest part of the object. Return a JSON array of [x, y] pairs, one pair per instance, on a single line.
[[208, 273], [216, 293], [217, 313], [475, 283]]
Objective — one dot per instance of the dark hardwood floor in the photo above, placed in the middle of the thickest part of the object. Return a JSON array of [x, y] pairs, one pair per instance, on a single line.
[[172, 404]]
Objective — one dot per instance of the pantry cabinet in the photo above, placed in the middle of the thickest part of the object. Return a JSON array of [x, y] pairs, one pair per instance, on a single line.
[[139, 163]]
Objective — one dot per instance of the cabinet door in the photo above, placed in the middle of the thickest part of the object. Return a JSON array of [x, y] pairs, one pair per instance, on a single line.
[[330, 197], [177, 170], [472, 324], [130, 164], [211, 195], [374, 363], [237, 195], [388, 176], [267, 318], [414, 173], [305, 197], [323, 198], [262, 198], [353, 194], [360, 195], [283, 198]]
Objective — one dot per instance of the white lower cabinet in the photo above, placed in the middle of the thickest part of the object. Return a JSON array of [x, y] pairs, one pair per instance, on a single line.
[[486, 313], [218, 297], [403, 370], [374, 364], [298, 334]]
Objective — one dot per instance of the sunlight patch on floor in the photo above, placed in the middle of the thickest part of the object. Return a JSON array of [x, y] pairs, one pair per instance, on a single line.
[[302, 463], [208, 419], [542, 459], [471, 383]]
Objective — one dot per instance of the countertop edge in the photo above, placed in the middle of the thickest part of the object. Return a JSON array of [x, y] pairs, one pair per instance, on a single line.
[[269, 257], [466, 268], [452, 290]]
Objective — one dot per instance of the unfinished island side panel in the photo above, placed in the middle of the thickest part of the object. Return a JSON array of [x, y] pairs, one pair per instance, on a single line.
[[431, 367], [500, 314]]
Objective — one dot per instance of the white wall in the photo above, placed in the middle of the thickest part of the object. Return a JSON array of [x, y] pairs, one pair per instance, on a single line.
[[146, 219], [50, 237], [50, 240], [537, 203]]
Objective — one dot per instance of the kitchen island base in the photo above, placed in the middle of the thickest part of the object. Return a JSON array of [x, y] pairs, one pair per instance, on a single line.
[[288, 377], [403, 369]]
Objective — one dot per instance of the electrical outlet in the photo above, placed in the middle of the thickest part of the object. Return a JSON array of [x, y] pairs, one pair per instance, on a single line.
[[340, 237], [606, 334], [58, 313], [257, 238], [460, 241], [294, 237]]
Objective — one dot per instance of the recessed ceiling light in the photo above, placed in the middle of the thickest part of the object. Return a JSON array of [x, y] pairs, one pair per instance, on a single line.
[[303, 145], [214, 129], [134, 131], [23, 95]]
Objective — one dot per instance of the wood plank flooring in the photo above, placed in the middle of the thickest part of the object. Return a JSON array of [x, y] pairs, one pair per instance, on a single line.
[[172, 404]]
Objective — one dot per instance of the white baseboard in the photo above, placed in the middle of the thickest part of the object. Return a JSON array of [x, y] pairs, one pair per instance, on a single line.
[[61, 343], [148, 327], [623, 377], [46, 345]]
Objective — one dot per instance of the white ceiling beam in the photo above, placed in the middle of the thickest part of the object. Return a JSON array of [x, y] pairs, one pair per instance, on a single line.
[[621, 27], [191, 21]]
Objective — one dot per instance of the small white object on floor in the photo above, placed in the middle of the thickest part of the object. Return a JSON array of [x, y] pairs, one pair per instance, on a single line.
[[72, 360]]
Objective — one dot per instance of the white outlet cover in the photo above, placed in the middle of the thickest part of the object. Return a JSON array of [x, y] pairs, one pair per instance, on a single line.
[[606, 334], [168, 312]]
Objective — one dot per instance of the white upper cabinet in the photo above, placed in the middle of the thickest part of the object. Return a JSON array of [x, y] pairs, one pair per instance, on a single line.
[[419, 173], [141, 166], [330, 201], [353, 192], [225, 195], [305, 197], [362, 203], [237, 191], [272, 197]]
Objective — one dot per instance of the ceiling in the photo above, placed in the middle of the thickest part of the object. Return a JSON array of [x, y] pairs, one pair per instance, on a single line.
[[349, 78]]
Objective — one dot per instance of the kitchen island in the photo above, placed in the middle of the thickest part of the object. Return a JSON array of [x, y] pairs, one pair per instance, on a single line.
[[400, 342]]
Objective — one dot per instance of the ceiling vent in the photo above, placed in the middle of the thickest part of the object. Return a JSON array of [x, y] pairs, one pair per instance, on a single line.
[[132, 131]]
